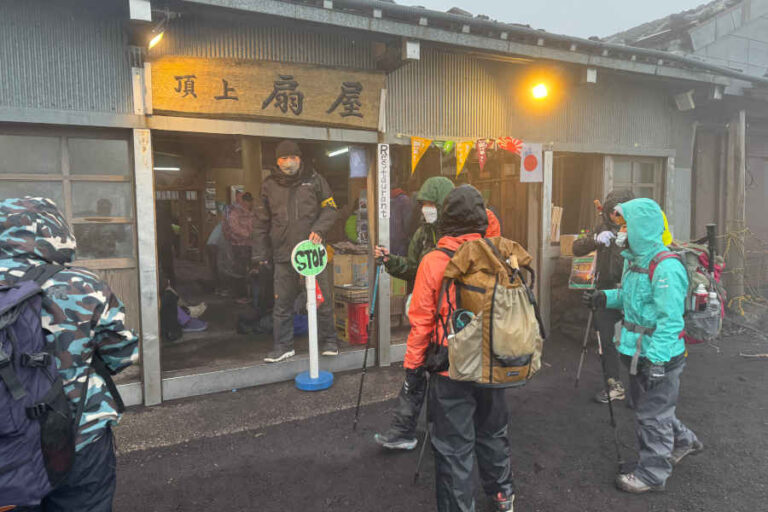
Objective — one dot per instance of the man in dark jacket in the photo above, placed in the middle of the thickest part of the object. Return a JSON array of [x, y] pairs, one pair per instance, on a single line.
[[296, 204], [82, 319], [610, 265]]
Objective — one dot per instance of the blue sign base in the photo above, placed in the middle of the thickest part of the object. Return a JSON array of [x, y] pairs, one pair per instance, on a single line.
[[306, 383]]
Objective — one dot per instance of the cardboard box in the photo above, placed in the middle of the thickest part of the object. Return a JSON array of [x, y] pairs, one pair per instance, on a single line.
[[566, 245], [350, 269]]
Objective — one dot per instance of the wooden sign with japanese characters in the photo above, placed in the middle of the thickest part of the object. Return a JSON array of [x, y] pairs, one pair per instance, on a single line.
[[283, 92]]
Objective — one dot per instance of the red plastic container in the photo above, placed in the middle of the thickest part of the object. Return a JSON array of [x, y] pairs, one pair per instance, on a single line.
[[357, 323]]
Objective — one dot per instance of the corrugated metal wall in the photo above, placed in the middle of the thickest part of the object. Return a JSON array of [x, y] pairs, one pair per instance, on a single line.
[[251, 37], [456, 95], [64, 55]]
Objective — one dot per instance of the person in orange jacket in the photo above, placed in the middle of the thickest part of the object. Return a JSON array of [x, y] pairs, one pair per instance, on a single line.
[[401, 434], [463, 418]]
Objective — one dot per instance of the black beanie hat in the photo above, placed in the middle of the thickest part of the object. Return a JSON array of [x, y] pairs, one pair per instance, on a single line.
[[287, 148], [463, 212]]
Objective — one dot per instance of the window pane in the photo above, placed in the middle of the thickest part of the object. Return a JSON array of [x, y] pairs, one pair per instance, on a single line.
[[29, 155], [622, 171], [645, 173], [97, 241], [645, 192], [98, 156], [101, 199], [50, 189]]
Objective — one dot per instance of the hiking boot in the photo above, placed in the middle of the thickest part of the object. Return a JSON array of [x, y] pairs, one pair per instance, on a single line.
[[503, 502], [329, 348], [680, 452], [280, 354], [616, 391], [632, 484], [393, 440]]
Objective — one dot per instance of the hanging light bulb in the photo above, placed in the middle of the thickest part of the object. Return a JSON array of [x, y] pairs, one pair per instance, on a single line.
[[540, 91], [156, 39]]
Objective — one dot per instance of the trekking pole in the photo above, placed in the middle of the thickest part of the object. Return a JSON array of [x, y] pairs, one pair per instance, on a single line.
[[371, 314], [584, 347], [426, 434], [610, 402], [711, 236]]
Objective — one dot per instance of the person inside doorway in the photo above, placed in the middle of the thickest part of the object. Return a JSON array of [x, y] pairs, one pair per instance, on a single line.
[[610, 264], [296, 204], [237, 229]]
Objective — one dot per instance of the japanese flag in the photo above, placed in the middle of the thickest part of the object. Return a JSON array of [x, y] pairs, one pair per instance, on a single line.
[[531, 165]]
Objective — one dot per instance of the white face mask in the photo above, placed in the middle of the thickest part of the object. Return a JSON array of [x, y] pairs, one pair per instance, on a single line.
[[621, 239], [290, 167], [430, 214]]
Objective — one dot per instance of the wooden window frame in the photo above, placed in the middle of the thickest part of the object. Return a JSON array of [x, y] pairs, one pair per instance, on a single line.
[[66, 178], [633, 184]]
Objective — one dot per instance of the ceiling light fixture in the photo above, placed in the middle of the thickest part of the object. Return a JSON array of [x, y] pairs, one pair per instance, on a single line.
[[338, 152]]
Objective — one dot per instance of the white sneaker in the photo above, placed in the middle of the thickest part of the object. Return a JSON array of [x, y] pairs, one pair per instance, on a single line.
[[279, 355], [197, 311]]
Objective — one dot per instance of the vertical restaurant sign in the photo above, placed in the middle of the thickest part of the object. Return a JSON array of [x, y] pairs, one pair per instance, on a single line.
[[273, 90], [382, 165]]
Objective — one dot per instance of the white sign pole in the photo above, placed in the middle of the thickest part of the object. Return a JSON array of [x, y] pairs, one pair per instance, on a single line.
[[314, 367], [384, 204], [310, 259]]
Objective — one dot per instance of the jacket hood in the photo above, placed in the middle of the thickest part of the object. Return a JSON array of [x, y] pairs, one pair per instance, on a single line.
[[645, 227], [453, 242], [435, 189], [614, 198], [463, 212], [287, 180], [33, 227]]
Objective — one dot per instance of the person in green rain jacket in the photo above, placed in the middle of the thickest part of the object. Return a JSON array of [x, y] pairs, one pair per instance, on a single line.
[[402, 433], [651, 345], [430, 197]]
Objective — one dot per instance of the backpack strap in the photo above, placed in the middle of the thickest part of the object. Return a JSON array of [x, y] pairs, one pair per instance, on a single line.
[[443, 250], [439, 320], [663, 255], [8, 374], [101, 369]]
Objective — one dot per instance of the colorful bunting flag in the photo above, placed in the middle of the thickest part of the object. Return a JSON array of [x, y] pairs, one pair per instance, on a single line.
[[419, 146], [509, 144], [482, 152], [462, 152]]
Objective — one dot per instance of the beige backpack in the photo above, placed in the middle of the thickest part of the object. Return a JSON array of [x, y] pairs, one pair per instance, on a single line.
[[494, 332]]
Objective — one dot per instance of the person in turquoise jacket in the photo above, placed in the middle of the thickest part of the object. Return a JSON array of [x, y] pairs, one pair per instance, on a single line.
[[651, 345]]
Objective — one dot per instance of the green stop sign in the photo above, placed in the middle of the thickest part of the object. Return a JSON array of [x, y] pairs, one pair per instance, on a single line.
[[309, 259]]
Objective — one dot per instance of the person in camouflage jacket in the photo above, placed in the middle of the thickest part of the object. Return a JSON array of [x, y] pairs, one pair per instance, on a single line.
[[81, 317], [431, 194]]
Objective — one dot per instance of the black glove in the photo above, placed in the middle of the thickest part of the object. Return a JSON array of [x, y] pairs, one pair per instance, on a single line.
[[414, 379], [594, 299]]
